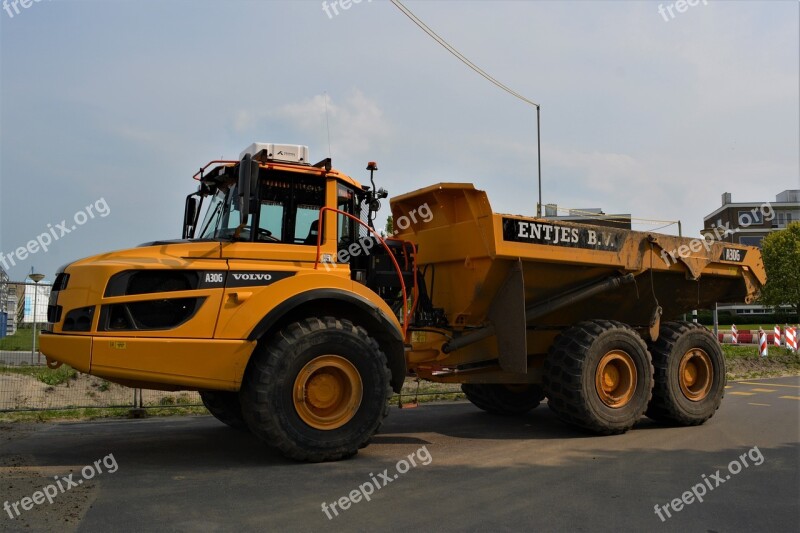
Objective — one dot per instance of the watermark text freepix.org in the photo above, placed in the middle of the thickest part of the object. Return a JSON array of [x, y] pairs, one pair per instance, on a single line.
[[62, 485], [709, 483], [9, 5], [336, 4], [365, 244], [54, 233], [718, 233], [366, 490], [681, 6]]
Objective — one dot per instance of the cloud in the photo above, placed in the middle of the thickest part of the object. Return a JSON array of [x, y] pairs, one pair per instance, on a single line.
[[357, 123]]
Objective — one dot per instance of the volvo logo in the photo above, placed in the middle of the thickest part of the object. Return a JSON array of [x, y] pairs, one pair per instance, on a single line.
[[252, 277]]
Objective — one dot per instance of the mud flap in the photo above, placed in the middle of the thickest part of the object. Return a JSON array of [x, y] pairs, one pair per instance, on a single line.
[[507, 315]]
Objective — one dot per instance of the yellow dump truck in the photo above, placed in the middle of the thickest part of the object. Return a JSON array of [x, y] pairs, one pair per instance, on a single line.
[[295, 319]]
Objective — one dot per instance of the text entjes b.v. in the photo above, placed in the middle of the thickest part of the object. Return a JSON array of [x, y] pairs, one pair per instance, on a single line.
[[569, 236]]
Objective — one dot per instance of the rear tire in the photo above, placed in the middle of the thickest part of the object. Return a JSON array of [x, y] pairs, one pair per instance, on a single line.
[[225, 407], [504, 399], [317, 391], [598, 376], [689, 374]]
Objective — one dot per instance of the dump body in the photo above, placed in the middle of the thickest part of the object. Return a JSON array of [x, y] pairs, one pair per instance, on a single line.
[[470, 255]]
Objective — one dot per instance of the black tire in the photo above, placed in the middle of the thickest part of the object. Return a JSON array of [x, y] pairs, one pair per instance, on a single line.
[[504, 399], [571, 376], [276, 415], [676, 399], [225, 407]]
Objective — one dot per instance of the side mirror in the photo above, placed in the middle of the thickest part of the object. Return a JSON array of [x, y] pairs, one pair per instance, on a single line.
[[189, 216], [247, 186]]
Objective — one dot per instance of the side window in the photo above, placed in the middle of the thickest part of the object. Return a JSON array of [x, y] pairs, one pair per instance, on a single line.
[[271, 218], [306, 222], [308, 197], [347, 228], [289, 208]]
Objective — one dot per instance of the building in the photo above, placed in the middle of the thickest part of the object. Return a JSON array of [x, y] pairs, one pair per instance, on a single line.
[[11, 309], [591, 215], [750, 222], [38, 296]]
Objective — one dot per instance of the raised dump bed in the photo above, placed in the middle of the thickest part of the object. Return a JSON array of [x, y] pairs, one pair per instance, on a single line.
[[520, 300]]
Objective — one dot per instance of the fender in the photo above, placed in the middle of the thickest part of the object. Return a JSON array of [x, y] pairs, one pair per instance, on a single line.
[[379, 325]]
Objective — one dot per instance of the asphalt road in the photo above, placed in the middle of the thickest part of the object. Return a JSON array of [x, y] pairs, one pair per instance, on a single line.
[[476, 472]]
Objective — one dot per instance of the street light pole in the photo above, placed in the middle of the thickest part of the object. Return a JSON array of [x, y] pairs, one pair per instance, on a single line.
[[36, 278]]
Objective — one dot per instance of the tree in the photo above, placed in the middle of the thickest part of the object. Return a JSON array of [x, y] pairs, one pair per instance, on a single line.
[[389, 229], [781, 253]]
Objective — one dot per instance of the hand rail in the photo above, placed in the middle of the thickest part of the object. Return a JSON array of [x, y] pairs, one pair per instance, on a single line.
[[406, 312], [202, 169]]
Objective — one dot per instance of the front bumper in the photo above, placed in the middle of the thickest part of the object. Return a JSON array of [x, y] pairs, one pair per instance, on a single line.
[[166, 363]]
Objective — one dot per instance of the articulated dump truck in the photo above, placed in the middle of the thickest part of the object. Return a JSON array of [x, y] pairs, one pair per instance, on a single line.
[[295, 320]]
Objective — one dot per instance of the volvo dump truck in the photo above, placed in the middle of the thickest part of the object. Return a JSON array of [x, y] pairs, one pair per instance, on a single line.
[[295, 319]]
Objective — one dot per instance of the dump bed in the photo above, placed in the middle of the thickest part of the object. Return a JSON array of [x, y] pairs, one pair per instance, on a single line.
[[469, 255]]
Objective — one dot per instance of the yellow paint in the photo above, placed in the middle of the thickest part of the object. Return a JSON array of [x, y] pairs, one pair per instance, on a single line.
[[759, 404], [763, 390], [742, 393], [790, 397]]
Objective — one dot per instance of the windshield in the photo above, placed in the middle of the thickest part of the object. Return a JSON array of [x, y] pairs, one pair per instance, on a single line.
[[222, 215], [285, 209]]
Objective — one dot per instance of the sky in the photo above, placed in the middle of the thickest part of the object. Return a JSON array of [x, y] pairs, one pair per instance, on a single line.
[[656, 113]]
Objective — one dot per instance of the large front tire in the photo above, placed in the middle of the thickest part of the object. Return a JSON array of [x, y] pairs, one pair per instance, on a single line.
[[317, 391], [503, 399], [598, 376], [689, 374], [225, 407]]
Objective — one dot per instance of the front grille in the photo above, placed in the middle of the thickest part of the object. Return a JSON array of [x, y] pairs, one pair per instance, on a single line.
[[150, 281], [150, 315]]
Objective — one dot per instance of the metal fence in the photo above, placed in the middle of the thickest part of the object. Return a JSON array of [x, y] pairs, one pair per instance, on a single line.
[[27, 384]]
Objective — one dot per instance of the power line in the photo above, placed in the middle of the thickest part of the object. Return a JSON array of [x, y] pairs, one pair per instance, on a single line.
[[601, 215], [461, 57]]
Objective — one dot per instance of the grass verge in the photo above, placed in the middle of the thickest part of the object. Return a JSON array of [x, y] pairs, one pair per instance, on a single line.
[[67, 415], [46, 375], [743, 362]]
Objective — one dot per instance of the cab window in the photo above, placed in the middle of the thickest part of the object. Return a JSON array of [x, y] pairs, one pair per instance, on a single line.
[[289, 208]]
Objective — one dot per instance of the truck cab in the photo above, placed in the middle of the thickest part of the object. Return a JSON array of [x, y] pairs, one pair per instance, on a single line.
[[269, 242]]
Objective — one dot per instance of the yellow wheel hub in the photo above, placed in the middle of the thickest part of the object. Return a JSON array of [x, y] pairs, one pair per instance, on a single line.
[[327, 392], [695, 374], [615, 378]]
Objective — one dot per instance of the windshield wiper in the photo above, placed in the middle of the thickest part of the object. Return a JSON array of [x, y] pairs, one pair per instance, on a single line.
[[217, 209]]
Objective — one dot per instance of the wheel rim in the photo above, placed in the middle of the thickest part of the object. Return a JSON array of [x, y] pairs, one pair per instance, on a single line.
[[695, 374], [327, 392], [615, 379]]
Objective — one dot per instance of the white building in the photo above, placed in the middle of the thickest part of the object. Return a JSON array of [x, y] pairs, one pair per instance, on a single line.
[[39, 295]]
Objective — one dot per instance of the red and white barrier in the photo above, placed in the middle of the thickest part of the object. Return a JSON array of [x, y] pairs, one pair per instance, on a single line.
[[734, 334], [777, 336], [791, 338], [762, 342]]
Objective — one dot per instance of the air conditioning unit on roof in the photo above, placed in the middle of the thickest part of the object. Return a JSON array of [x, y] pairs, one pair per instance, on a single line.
[[288, 153]]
